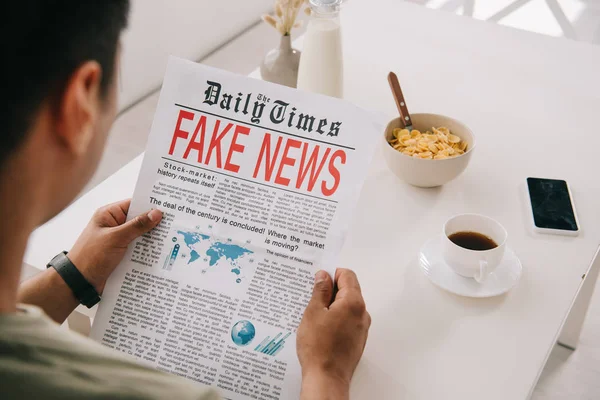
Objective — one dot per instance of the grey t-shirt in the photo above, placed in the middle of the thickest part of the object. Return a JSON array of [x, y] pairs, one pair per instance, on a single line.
[[40, 360]]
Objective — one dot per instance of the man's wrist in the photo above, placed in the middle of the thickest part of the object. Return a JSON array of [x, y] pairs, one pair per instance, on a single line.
[[320, 385], [86, 270], [55, 281]]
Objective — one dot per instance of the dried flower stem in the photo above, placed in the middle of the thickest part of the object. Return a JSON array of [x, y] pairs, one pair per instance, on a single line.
[[286, 13]]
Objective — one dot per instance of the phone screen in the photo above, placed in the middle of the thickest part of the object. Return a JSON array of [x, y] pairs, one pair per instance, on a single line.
[[551, 204]]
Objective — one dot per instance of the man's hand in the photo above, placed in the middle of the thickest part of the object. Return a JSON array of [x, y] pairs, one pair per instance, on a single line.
[[97, 252], [102, 244], [332, 336]]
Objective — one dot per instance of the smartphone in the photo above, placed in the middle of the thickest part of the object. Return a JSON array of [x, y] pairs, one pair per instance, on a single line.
[[552, 207]]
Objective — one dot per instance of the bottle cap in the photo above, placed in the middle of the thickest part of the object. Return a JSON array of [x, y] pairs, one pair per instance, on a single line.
[[326, 6]]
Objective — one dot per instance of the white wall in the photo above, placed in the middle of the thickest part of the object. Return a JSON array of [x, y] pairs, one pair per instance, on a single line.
[[186, 28]]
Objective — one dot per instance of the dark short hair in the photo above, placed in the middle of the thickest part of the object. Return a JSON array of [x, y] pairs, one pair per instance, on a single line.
[[44, 42]]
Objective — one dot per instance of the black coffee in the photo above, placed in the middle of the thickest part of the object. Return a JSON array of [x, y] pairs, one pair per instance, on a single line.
[[472, 241]]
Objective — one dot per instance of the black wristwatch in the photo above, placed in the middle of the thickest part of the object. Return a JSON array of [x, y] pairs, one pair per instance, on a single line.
[[82, 289]]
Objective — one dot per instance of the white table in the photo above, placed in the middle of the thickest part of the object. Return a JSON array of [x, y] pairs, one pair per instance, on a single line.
[[532, 102]]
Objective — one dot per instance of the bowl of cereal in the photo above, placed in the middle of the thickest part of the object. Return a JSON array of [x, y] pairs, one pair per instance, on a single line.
[[436, 151]]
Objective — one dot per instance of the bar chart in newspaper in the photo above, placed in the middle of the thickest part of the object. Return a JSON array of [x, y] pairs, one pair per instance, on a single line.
[[272, 346]]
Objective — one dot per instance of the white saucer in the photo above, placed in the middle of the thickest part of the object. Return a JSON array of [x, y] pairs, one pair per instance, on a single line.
[[500, 281]]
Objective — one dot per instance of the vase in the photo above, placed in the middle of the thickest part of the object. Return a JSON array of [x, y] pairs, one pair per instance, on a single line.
[[281, 64]]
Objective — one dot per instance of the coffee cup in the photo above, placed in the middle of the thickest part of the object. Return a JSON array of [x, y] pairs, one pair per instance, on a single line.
[[473, 245]]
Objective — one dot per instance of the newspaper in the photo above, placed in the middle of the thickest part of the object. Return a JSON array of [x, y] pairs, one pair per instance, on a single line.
[[257, 183]]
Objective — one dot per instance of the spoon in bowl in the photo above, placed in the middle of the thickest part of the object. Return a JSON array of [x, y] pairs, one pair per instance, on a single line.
[[400, 103]]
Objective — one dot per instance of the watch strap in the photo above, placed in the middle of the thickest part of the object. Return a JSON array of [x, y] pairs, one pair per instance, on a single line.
[[82, 289]]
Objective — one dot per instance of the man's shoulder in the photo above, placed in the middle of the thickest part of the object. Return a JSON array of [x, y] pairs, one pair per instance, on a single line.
[[39, 359]]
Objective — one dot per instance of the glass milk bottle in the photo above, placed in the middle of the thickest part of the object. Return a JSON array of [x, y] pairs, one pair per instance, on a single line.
[[321, 66]]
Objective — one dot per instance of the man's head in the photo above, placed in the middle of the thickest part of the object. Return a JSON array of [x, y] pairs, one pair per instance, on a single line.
[[59, 88]]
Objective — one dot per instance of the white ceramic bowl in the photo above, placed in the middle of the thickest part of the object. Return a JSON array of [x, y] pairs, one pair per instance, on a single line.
[[428, 173]]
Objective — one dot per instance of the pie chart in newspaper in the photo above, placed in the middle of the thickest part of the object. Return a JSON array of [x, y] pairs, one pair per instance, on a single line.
[[243, 333]]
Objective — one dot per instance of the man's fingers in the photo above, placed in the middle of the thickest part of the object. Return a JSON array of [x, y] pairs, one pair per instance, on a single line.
[[138, 226], [348, 293], [113, 214], [119, 210], [346, 279], [123, 205], [322, 291]]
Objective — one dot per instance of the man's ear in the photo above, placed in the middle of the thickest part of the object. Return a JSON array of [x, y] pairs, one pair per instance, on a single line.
[[79, 107]]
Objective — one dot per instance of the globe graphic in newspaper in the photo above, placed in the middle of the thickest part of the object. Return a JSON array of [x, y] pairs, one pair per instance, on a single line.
[[242, 333]]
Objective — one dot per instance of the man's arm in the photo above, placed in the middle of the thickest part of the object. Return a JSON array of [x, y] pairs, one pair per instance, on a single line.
[[50, 292], [332, 337], [97, 252]]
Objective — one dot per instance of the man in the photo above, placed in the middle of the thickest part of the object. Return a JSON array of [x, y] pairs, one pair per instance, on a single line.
[[59, 101]]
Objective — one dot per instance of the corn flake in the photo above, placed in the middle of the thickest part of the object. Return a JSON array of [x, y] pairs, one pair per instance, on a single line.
[[436, 144]]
